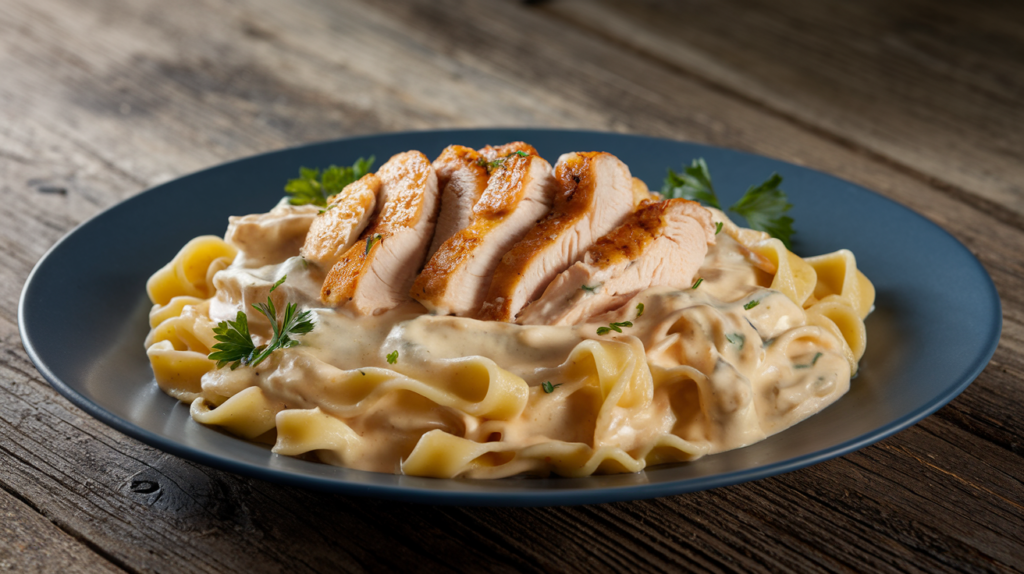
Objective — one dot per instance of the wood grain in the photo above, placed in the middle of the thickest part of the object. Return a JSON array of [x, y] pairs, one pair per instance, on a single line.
[[907, 82], [30, 543], [102, 98]]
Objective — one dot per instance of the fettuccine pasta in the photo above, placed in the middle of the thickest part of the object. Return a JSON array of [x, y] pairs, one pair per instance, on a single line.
[[766, 340]]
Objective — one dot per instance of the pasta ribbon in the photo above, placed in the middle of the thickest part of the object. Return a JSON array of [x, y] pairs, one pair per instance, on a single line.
[[191, 271], [248, 414], [474, 385], [178, 373], [306, 430], [838, 276], [728, 415], [794, 277], [618, 370], [845, 323]]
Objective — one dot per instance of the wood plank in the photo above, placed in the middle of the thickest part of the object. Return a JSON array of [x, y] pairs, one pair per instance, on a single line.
[[934, 88], [205, 82], [30, 543]]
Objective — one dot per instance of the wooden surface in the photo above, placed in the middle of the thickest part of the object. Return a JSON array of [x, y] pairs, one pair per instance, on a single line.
[[921, 101]]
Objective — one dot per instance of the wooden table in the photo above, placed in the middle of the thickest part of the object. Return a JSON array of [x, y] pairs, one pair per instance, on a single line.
[[921, 101]]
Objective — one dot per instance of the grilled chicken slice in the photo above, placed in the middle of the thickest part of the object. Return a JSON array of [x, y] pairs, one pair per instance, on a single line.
[[662, 243], [594, 195], [336, 229], [519, 192], [462, 179], [375, 274]]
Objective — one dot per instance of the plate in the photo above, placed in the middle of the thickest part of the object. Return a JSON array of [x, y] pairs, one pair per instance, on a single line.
[[930, 335]]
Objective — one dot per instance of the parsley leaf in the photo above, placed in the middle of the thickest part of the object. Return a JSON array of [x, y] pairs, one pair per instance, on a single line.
[[617, 327], [371, 240], [392, 357], [751, 304], [736, 339], [312, 187], [811, 364], [697, 283], [763, 207], [639, 310], [548, 387], [235, 346], [590, 289], [693, 184]]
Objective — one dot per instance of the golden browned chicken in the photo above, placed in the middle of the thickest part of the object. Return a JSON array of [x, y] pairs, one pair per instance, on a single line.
[[594, 195], [375, 274], [662, 243], [462, 178], [336, 228], [518, 193]]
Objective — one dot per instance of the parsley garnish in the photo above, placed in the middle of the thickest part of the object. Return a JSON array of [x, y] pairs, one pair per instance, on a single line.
[[718, 227], [811, 364], [697, 283], [736, 339], [590, 289], [315, 187], [751, 304], [235, 346], [694, 183], [492, 165], [548, 387], [617, 327], [762, 205], [392, 357], [639, 310], [371, 240]]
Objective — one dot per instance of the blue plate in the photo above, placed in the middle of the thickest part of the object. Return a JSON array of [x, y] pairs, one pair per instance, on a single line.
[[927, 339]]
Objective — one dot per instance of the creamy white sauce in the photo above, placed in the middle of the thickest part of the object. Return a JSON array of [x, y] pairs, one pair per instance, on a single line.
[[723, 376]]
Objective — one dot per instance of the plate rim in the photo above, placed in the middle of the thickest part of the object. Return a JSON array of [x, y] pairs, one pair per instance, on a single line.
[[539, 496]]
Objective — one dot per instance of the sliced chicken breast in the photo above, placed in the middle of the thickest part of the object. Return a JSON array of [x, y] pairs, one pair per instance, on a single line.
[[662, 243], [336, 228], [594, 194], [375, 274], [518, 194], [462, 179]]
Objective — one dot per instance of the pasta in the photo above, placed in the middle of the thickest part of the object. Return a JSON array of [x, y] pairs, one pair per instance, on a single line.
[[766, 340]]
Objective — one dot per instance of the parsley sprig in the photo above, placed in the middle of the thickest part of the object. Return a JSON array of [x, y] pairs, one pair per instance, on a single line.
[[763, 206], [235, 346], [313, 187]]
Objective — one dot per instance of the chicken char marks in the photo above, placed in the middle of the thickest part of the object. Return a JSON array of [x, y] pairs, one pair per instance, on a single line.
[[594, 194], [375, 273], [662, 243], [518, 193]]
